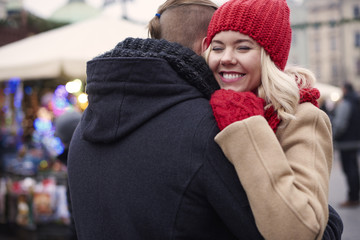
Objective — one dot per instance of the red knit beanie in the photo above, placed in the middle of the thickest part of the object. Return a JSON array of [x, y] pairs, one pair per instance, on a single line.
[[265, 21]]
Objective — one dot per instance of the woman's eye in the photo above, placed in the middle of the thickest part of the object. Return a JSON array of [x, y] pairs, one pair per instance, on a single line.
[[217, 48], [243, 48]]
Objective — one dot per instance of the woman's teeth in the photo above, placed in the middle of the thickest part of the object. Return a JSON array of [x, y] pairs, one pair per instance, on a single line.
[[232, 75]]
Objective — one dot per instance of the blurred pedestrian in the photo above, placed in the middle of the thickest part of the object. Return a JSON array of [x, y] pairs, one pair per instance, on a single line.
[[346, 132], [65, 126]]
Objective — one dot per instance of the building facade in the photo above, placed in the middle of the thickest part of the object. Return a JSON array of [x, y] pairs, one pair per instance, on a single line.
[[3, 12], [330, 30], [298, 52]]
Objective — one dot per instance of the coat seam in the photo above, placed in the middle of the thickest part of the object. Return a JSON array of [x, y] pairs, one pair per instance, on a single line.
[[258, 152]]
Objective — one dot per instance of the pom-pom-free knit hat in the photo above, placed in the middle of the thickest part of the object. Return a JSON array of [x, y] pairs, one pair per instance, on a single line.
[[265, 21], [65, 125]]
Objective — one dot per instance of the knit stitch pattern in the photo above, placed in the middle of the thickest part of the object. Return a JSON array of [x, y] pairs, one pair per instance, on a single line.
[[265, 21], [184, 61], [230, 106]]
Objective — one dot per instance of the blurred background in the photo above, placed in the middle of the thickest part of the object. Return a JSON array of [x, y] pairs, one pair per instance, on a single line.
[[44, 47]]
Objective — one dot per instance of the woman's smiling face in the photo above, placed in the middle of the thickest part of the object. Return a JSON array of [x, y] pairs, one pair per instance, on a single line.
[[235, 61]]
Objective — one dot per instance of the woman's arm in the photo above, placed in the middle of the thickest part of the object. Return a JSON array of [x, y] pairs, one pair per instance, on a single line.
[[285, 176]]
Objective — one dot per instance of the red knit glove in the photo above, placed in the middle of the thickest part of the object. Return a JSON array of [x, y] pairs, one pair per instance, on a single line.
[[230, 106]]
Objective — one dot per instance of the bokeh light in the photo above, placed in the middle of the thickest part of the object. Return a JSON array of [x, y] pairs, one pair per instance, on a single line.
[[73, 86], [335, 96]]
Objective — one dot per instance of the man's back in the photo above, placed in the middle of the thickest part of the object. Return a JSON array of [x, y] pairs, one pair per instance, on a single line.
[[143, 163]]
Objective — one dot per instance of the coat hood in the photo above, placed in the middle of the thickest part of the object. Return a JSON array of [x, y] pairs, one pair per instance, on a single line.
[[138, 80]]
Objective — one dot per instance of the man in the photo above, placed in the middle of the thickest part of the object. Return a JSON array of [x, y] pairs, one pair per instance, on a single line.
[[346, 131], [143, 163]]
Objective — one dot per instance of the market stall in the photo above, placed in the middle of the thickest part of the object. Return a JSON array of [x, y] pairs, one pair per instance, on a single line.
[[65, 50], [33, 179]]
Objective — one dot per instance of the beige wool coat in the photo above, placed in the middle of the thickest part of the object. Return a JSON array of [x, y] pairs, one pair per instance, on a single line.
[[285, 176]]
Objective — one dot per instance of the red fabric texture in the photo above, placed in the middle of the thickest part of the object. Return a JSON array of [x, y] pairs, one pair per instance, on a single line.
[[230, 106], [264, 21]]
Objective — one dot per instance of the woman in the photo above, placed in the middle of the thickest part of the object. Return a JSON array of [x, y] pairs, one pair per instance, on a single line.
[[273, 132]]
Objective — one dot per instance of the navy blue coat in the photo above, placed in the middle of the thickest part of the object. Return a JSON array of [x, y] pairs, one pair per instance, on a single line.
[[143, 163]]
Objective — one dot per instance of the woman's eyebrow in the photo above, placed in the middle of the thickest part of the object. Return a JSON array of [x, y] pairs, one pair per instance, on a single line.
[[242, 40], [217, 41]]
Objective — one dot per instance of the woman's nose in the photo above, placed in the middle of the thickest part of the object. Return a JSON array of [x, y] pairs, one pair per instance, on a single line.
[[228, 58]]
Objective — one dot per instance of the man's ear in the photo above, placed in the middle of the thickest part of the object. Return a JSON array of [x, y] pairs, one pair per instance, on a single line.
[[204, 45]]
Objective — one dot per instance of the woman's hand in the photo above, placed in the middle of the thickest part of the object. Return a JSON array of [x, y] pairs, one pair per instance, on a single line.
[[230, 106]]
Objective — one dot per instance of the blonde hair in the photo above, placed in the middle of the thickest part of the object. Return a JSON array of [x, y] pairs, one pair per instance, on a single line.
[[182, 21], [280, 88]]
